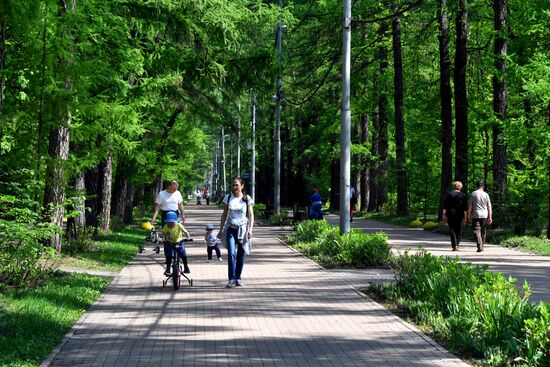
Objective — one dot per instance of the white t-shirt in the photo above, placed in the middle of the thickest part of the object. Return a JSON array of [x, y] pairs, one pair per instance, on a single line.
[[480, 204], [169, 201], [236, 209]]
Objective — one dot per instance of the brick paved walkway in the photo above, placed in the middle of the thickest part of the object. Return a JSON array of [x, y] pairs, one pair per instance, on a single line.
[[289, 313], [535, 269]]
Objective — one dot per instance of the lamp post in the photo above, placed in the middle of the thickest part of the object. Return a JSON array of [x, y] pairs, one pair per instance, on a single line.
[[277, 135], [253, 148], [345, 128]]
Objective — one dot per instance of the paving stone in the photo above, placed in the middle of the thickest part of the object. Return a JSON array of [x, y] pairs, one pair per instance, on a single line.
[[289, 313]]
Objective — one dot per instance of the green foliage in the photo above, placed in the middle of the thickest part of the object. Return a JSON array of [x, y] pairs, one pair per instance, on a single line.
[[479, 313], [324, 243], [23, 257], [308, 230], [33, 321], [529, 243], [109, 253]]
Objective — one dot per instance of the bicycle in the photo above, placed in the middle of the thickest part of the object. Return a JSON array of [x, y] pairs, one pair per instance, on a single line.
[[155, 238], [176, 267]]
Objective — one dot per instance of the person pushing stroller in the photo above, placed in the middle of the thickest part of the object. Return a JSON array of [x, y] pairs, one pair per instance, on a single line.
[[212, 243]]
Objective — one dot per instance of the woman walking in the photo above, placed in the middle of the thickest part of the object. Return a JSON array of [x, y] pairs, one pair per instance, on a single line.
[[455, 209], [236, 223]]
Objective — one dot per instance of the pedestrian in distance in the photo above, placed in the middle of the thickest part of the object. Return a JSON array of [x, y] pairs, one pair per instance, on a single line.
[[481, 214], [455, 210], [169, 200], [173, 241], [212, 243], [316, 207], [207, 195], [237, 222]]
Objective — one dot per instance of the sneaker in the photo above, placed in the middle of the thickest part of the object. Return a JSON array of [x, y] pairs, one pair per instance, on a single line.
[[239, 283], [186, 270], [168, 272], [220, 259], [231, 283], [208, 261]]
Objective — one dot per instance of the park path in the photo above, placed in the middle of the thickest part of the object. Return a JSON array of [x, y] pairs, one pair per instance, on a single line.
[[535, 269], [290, 312]]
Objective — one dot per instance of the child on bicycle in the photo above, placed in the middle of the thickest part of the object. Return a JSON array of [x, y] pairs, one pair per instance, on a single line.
[[173, 239], [212, 243]]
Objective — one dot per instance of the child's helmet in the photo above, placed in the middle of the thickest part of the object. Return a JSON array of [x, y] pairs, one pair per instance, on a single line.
[[171, 217], [209, 227]]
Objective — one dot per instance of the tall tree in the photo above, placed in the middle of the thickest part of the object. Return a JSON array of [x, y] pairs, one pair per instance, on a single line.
[[461, 97], [2, 48], [364, 171], [500, 174], [402, 187], [446, 107], [106, 179], [54, 191]]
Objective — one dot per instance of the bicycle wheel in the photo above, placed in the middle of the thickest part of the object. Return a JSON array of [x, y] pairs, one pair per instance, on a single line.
[[176, 274]]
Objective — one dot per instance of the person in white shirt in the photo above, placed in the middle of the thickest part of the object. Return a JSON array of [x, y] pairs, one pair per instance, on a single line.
[[480, 212], [236, 226], [169, 200]]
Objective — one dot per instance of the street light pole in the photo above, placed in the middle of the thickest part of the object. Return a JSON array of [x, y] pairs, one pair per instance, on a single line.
[[224, 188], [253, 149], [345, 129], [277, 135], [239, 142]]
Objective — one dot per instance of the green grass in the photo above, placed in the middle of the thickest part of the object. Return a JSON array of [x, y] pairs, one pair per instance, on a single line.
[[33, 321], [391, 219], [528, 243], [112, 252]]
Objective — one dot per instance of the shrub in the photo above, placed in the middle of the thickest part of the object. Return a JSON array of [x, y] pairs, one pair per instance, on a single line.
[[308, 230], [428, 226], [478, 312], [361, 249], [415, 224], [328, 243], [23, 257]]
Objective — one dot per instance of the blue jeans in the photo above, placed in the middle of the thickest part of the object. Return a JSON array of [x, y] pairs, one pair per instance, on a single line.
[[235, 261], [169, 249]]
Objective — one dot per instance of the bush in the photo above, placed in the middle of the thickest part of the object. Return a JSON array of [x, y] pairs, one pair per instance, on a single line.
[[479, 313], [415, 224], [81, 241], [428, 226], [23, 257], [308, 231], [323, 242], [361, 249]]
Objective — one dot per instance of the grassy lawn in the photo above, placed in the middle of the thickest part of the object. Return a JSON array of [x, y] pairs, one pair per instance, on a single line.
[[34, 320], [110, 253]]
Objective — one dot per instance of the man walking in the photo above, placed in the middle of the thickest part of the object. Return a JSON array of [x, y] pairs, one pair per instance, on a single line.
[[480, 212]]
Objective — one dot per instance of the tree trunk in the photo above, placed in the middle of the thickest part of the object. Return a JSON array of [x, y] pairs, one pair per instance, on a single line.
[[365, 187], [120, 191], [106, 177], [335, 185], [382, 134], [91, 179], [446, 108], [548, 164], [2, 47], [461, 97], [402, 198], [58, 149], [80, 203], [500, 174], [374, 167], [129, 203]]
